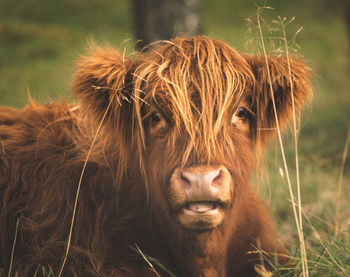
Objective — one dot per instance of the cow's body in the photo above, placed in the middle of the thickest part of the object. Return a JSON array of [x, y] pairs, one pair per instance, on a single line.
[[167, 172]]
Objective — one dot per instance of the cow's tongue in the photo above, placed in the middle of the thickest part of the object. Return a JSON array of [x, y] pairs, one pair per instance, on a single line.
[[201, 207]]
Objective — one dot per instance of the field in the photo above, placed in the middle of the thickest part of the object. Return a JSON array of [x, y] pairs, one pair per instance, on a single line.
[[40, 40]]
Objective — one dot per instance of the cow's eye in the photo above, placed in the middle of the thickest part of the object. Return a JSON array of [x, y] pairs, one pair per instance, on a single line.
[[157, 124], [156, 117], [242, 112], [240, 118]]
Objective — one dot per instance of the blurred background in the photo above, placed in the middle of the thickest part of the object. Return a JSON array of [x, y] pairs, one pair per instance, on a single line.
[[40, 40]]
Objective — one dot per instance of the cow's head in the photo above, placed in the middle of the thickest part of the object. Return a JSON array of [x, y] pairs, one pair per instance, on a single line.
[[188, 114]]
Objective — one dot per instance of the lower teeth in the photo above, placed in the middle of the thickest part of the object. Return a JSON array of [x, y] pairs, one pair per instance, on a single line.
[[201, 207]]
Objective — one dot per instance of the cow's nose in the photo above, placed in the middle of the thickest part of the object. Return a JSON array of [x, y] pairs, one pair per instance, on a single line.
[[202, 183], [201, 178]]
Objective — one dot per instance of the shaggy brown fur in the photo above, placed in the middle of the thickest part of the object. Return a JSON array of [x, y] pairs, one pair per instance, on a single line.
[[184, 103]]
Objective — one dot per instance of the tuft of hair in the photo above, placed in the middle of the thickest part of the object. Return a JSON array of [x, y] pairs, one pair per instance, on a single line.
[[196, 83], [288, 78]]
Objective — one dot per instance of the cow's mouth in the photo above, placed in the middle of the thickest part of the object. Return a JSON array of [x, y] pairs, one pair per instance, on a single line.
[[199, 196], [201, 215], [201, 208]]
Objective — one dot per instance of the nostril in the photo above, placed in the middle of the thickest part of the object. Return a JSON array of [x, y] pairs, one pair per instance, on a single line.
[[185, 181], [218, 179], [202, 178]]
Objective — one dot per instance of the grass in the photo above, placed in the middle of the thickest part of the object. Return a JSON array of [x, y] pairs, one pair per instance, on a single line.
[[39, 41]]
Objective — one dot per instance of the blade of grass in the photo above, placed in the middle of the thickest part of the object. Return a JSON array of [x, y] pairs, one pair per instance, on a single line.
[[324, 246], [13, 248], [340, 183], [154, 260], [147, 261], [300, 234], [302, 240], [79, 185]]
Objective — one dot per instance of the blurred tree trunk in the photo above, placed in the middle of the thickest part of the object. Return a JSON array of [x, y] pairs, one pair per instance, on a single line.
[[164, 19]]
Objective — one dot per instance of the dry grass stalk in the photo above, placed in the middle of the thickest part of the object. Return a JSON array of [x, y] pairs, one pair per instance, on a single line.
[[13, 248], [340, 183], [147, 261], [79, 186], [343, 270], [297, 215]]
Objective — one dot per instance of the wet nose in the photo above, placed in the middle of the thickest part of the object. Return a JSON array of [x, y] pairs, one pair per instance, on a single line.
[[213, 184], [195, 177], [201, 183]]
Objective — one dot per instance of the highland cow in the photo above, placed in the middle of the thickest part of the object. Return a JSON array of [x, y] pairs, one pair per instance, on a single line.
[[163, 146]]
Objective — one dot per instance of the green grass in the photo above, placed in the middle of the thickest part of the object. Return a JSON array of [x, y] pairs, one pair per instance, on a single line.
[[39, 41]]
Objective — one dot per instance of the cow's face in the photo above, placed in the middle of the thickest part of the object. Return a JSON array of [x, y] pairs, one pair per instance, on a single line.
[[191, 112], [194, 176], [192, 186]]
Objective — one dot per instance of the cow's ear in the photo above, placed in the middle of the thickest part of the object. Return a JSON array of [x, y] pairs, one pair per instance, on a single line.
[[102, 82], [278, 78]]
